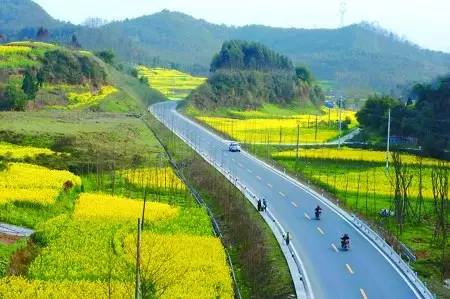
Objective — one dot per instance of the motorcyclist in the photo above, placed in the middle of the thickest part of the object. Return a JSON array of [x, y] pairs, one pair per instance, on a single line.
[[345, 241], [318, 210]]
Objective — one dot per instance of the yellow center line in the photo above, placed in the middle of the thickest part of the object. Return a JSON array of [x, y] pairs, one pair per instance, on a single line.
[[320, 231], [349, 268], [363, 294], [282, 194], [307, 216], [294, 204]]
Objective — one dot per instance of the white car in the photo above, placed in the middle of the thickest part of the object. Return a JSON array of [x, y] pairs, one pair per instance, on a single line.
[[234, 147]]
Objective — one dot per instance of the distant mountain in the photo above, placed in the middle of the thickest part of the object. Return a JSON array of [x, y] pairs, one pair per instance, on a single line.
[[358, 58], [16, 15]]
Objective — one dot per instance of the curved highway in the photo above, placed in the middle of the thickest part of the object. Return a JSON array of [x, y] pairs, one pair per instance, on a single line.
[[362, 272]]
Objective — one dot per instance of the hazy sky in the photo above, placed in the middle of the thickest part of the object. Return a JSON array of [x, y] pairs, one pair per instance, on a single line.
[[424, 22]]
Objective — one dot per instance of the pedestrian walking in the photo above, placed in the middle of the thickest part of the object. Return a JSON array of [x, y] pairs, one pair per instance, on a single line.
[[264, 204], [259, 205], [287, 238]]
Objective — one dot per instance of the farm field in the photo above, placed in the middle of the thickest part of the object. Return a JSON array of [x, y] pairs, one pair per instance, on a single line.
[[82, 188], [259, 127], [358, 179], [173, 84]]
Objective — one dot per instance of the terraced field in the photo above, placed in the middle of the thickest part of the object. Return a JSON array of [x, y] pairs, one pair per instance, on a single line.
[[174, 84]]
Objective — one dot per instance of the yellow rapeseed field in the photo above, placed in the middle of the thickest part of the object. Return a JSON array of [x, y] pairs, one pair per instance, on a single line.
[[32, 183], [153, 177], [350, 154], [171, 83], [77, 100], [16, 287], [189, 266], [20, 152], [281, 130], [5, 50], [96, 205]]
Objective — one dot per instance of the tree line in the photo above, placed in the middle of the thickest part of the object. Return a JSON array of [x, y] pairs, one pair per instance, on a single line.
[[424, 114]]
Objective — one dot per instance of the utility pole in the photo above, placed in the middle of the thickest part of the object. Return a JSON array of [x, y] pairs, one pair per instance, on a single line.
[[388, 139], [137, 294], [298, 143], [342, 12], [340, 121]]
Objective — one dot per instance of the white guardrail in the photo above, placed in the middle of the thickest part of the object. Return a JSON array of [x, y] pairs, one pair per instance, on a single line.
[[299, 275], [300, 279]]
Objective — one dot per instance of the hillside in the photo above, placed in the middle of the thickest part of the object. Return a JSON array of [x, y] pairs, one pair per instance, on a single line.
[[358, 58], [37, 76]]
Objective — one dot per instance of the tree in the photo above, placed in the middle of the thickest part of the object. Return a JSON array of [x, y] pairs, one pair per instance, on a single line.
[[373, 115], [42, 34], [29, 85], [12, 98], [439, 180], [304, 74], [106, 55], [401, 181], [75, 42]]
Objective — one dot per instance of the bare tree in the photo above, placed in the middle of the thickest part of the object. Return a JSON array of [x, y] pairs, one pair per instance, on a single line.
[[439, 179], [401, 181]]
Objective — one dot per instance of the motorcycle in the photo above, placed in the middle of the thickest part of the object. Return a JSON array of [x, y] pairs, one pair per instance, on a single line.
[[345, 244], [318, 212]]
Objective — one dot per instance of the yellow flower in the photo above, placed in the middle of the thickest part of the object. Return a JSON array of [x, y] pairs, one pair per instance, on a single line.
[[93, 205]]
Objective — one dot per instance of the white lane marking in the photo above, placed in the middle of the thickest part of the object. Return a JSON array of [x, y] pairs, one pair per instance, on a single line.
[[349, 269], [363, 294], [258, 177], [233, 160], [334, 247], [270, 185], [294, 204], [249, 170], [339, 212], [240, 165], [307, 216], [320, 231], [282, 194]]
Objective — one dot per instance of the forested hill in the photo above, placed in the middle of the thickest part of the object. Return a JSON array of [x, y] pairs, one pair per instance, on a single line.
[[19, 15], [245, 75], [244, 55], [357, 57]]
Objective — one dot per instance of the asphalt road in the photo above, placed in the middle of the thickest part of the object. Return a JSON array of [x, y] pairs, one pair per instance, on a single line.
[[361, 272]]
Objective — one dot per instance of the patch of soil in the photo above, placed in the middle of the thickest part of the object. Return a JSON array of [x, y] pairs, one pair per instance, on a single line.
[[8, 240], [422, 254], [22, 259]]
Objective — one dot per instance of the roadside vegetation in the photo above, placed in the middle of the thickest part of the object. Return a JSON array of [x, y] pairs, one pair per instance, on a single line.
[[259, 264]]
